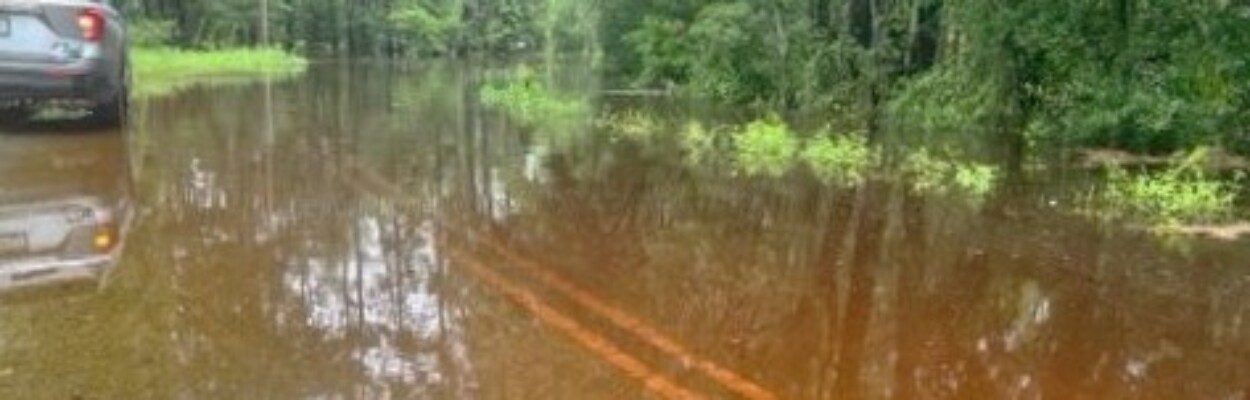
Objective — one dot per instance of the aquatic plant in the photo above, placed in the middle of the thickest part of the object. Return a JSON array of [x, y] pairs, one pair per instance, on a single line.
[[1173, 197], [840, 159], [631, 124], [927, 172], [766, 147], [162, 71], [975, 179], [527, 99], [698, 142], [931, 174], [1182, 194]]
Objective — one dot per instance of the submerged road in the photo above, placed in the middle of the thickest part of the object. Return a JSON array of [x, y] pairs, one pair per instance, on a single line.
[[372, 233]]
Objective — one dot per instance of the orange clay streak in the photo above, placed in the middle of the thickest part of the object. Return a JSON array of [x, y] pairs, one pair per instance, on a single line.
[[630, 366], [729, 379], [722, 375]]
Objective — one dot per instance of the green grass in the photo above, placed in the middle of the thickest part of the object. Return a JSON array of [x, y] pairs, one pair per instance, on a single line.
[[159, 71]]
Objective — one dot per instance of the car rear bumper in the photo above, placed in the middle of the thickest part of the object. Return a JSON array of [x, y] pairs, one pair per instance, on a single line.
[[36, 272], [82, 81]]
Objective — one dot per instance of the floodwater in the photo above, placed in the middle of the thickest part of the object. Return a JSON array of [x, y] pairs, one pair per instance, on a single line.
[[374, 232]]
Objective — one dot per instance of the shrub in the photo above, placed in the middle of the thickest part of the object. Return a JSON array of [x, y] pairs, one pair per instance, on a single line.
[[1174, 197], [630, 124], [838, 159], [523, 97], [975, 179], [766, 147], [698, 143], [930, 174]]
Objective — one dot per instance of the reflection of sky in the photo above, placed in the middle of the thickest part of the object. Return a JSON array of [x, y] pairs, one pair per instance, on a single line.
[[377, 303]]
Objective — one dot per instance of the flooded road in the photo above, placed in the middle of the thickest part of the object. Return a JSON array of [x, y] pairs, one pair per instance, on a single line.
[[374, 232]]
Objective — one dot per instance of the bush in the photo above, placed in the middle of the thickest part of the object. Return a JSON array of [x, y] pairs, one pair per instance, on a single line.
[[523, 97], [929, 174], [698, 143], [1180, 195], [839, 159], [630, 124], [766, 147]]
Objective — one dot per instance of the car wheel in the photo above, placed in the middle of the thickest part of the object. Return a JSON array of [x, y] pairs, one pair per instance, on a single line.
[[112, 113]]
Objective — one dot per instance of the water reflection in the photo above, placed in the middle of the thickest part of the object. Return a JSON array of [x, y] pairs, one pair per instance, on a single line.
[[293, 242], [64, 204]]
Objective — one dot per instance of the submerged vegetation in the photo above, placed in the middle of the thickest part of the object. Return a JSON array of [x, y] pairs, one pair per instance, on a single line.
[[770, 148], [1016, 78], [1183, 194], [162, 70], [766, 147], [525, 98], [630, 124], [698, 143], [927, 173], [840, 159]]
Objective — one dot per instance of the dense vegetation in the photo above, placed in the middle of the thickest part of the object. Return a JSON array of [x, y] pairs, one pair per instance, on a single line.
[[370, 28], [1148, 76], [1144, 75]]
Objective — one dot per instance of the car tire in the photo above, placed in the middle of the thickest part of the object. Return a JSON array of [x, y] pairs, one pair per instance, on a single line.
[[112, 113]]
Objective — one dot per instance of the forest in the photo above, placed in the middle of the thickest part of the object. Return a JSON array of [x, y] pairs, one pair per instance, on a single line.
[[1142, 75]]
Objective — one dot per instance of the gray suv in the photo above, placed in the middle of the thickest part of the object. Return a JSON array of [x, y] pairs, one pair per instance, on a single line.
[[65, 52], [64, 208]]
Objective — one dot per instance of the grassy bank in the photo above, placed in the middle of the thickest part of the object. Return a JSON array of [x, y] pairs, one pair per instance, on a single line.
[[163, 70]]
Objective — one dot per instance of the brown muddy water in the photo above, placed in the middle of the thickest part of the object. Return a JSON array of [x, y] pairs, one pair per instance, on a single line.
[[374, 232]]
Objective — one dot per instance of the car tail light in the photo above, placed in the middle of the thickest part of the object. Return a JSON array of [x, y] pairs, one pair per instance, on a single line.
[[104, 238], [91, 23]]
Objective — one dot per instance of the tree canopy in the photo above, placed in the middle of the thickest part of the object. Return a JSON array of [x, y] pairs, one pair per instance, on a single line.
[[1148, 75]]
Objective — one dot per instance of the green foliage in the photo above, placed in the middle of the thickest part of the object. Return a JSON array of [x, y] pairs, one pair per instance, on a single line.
[[162, 70], [150, 32], [666, 54], [766, 147], [926, 172], [371, 28], [747, 51], [944, 101], [1152, 77], [523, 97], [698, 143], [841, 159], [929, 174], [731, 55], [631, 124], [1182, 194], [975, 179], [429, 28]]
